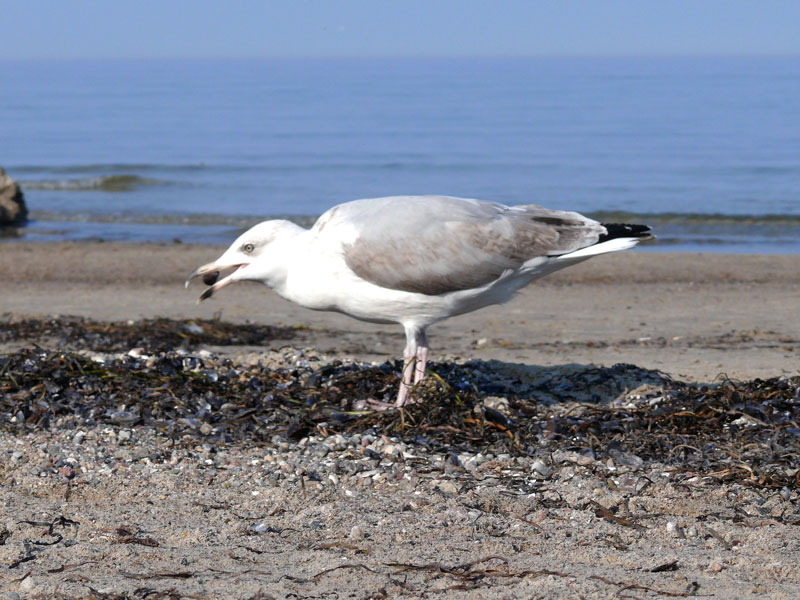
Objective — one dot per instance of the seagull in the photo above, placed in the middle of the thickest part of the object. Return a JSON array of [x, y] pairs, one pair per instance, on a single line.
[[413, 260]]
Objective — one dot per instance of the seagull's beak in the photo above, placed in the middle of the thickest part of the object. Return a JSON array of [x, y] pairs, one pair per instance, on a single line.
[[210, 274]]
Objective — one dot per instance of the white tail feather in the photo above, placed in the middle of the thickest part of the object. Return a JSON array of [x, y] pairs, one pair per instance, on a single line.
[[601, 248]]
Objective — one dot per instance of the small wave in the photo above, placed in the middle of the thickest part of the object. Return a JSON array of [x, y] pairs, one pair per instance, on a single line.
[[116, 168], [191, 219], [105, 183], [301, 164]]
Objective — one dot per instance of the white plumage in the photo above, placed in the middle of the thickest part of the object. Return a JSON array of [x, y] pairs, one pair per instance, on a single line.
[[414, 260]]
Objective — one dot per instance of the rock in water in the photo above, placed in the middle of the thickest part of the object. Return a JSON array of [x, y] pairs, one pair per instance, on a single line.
[[12, 203]]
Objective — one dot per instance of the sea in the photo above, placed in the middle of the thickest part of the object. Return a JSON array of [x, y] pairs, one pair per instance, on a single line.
[[706, 150]]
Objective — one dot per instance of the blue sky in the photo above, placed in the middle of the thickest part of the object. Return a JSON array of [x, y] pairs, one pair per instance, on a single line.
[[247, 28]]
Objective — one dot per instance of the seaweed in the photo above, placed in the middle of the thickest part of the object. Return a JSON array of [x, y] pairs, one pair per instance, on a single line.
[[743, 431], [153, 335]]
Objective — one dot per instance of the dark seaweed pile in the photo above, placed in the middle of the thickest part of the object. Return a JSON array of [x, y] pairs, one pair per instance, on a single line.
[[736, 431], [155, 335], [740, 430]]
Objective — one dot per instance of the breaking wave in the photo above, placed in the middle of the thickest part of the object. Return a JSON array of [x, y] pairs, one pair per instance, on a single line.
[[104, 183]]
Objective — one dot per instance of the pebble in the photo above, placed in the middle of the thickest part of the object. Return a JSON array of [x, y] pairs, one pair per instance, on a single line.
[[388, 449], [67, 472], [259, 527], [542, 469], [715, 567], [338, 442], [356, 533], [447, 487]]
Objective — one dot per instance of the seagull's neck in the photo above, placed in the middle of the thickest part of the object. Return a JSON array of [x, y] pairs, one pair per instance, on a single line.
[[310, 270]]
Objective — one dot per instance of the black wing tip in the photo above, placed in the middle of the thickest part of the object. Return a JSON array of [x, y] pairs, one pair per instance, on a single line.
[[622, 230]]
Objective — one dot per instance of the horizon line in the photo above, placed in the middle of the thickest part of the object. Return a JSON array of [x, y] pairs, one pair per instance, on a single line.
[[541, 56]]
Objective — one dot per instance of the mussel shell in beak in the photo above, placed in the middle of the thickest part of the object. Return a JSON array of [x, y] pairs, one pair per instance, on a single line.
[[211, 278]]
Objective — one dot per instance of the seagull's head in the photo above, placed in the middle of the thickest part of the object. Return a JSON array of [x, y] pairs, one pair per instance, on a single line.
[[254, 256]]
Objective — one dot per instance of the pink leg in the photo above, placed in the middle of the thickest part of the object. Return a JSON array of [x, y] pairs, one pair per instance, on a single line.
[[406, 381], [422, 361], [415, 358]]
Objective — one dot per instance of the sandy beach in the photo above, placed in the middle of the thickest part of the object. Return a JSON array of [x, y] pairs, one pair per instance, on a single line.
[[693, 316], [118, 512]]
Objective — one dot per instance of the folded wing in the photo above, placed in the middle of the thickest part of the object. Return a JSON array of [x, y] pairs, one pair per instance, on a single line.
[[438, 244]]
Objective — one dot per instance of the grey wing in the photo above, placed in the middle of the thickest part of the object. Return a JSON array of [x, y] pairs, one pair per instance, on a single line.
[[437, 244]]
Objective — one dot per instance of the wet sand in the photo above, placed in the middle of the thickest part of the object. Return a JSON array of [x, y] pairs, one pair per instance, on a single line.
[[247, 521]]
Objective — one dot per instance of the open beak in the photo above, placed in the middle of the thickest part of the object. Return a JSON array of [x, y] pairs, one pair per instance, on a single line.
[[210, 275]]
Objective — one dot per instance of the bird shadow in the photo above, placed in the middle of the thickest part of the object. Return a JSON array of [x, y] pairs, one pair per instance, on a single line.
[[571, 382]]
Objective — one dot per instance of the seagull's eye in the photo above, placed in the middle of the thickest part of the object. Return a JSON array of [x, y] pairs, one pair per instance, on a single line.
[[248, 248]]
